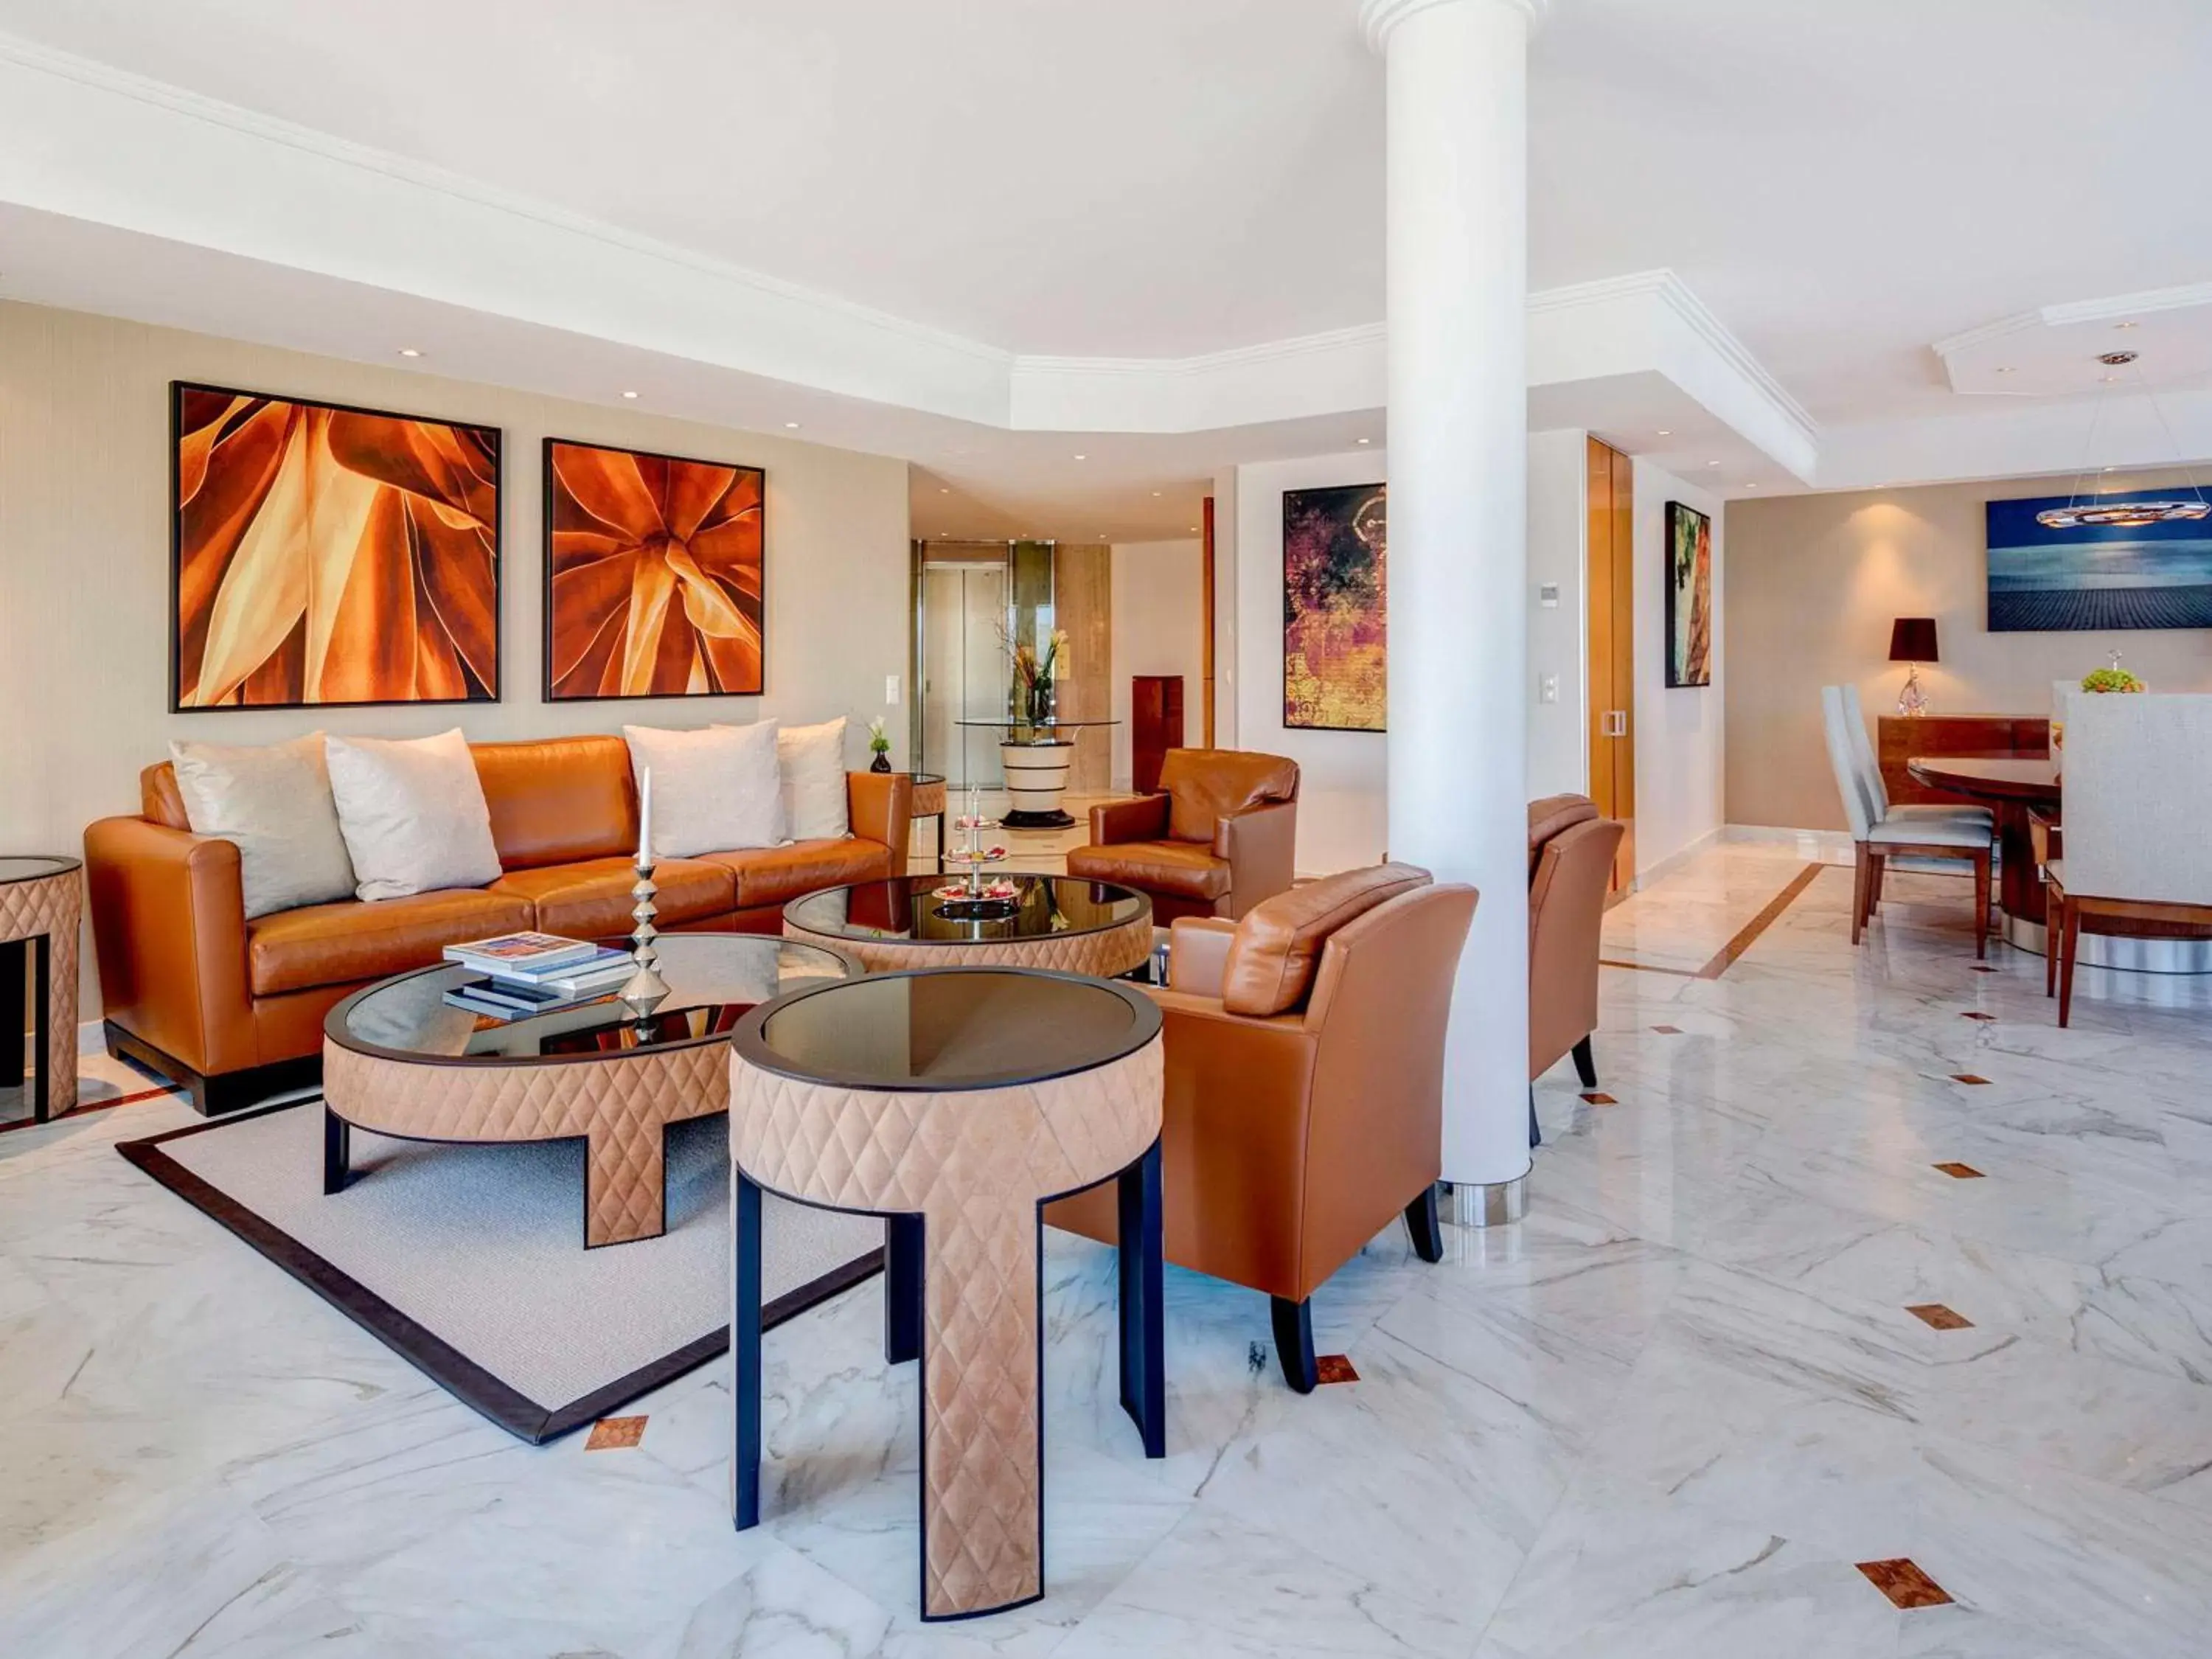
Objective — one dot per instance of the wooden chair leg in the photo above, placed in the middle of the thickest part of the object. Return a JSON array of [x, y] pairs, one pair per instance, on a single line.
[[2054, 925], [1873, 888], [1862, 876], [1982, 905], [2070, 941]]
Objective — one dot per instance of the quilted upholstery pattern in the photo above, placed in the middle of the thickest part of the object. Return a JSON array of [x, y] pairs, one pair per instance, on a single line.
[[973, 1164], [1102, 955], [621, 1104], [52, 905]]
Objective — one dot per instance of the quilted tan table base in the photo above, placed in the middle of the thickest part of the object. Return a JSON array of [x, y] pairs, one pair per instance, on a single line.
[[42, 901], [960, 1175]]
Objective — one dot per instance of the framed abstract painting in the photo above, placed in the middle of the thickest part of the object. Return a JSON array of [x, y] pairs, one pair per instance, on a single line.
[[1689, 596], [325, 556], [653, 575], [1335, 616], [2101, 562]]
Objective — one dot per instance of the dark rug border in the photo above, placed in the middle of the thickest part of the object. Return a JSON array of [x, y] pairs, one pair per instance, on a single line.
[[423, 1348]]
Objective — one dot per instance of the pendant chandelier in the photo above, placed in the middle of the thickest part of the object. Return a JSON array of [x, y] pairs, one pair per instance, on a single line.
[[2095, 513]]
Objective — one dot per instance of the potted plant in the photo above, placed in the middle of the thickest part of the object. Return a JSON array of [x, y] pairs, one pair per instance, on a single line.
[[879, 745]]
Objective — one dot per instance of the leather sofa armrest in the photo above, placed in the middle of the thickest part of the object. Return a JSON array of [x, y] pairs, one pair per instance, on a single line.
[[1198, 954], [1260, 847], [880, 807], [168, 928], [1144, 819]]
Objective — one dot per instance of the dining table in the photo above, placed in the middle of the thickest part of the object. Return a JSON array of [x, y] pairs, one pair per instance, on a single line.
[[2012, 788]]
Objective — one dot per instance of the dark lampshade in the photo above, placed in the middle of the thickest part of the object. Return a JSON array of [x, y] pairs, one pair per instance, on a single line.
[[1912, 639]]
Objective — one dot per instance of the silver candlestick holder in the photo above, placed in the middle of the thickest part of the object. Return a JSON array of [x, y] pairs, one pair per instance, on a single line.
[[644, 989]]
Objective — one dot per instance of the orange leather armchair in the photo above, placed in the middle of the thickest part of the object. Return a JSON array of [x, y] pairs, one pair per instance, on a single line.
[[1571, 854], [1218, 838], [1305, 1105]]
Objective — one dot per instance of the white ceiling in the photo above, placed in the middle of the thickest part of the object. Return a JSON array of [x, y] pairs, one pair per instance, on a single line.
[[1841, 185]]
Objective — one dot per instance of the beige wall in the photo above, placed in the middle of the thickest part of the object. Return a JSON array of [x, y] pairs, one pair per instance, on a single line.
[[1813, 584], [84, 564], [1159, 628]]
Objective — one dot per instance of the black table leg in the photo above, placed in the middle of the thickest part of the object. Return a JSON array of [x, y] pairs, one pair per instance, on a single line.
[[42, 1020], [903, 1252], [1144, 1322], [940, 843], [15, 986], [745, 1349], [338, 1152]]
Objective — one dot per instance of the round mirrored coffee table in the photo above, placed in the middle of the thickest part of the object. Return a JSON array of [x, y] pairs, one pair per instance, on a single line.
[[41, 898], [955, 1103], [933, 921], [397, 1060]]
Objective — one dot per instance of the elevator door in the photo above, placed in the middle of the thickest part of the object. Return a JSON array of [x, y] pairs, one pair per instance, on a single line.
[[963, 618]]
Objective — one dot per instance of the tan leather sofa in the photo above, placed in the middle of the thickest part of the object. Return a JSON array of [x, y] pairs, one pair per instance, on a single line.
[[1305, 1104], [1571, 854], [1218, 838], [232, 1010]]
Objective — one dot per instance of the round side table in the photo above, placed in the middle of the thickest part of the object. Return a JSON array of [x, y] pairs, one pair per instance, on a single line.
[[1060, 922], [1036, 758], [41, 903], [955, 1103]]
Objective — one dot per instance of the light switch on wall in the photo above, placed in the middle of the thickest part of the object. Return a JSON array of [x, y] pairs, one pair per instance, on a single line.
[[891, 690], [1547, 689]]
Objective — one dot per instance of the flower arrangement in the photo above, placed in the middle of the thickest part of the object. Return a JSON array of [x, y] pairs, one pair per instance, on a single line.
[[1034, 674], [879, 745]]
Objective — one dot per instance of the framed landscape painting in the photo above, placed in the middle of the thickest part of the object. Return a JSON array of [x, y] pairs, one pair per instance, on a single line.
[[1335, 571], [2113, 562], [323, 555], [1689, 596], [653, 575]]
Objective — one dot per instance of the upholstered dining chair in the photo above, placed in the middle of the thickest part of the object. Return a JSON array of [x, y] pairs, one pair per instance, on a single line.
[[1219, 836], [1877, 789], [1304, 1107], [1876, 838], [1570, 854], [2137, 858]]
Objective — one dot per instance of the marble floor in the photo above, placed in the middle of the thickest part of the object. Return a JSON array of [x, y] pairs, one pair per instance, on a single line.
[[1860, 1313]]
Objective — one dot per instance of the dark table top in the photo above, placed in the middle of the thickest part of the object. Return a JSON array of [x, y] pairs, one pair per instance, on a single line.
[[713, 981], [2030, 780], [946, 1028], [906, 908]]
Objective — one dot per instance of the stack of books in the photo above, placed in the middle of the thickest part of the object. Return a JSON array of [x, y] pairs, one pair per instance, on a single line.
[[534, 974]]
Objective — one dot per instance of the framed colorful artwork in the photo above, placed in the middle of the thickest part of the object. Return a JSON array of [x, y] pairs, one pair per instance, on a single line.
[[1689, 596], [2101, 562], [322, 556], [653, 575], [1335, 569]]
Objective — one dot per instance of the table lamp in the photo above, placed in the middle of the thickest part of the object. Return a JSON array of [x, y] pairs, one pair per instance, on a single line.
[[1912, 640]]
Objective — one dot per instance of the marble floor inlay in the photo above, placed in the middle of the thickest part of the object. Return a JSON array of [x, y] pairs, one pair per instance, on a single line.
[[615, 1434], [1937, 1317], [1336, 1368], [1680, 1410]]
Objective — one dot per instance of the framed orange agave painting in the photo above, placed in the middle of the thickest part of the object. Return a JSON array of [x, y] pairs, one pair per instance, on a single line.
[[323, 555], [653, 575]]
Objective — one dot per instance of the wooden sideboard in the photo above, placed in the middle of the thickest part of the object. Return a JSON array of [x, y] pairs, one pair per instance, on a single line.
[[1982, 736], [1155, 725]]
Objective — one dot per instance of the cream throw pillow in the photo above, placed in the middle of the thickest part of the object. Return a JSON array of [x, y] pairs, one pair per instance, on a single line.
[[813, 760], [713, 790], [275, 802], [414, 815]]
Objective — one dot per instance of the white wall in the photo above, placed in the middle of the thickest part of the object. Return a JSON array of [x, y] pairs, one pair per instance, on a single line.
[[1341, 811], [84, 565], [1681, 735], [1159, 628]]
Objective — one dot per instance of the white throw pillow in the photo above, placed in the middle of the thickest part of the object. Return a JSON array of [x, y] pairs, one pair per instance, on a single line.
[[713, 790], [813, 760], [275, 802], [414, 815]]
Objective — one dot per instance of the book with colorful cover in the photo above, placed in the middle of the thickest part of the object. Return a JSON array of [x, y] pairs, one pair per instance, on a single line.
[[520, 953]]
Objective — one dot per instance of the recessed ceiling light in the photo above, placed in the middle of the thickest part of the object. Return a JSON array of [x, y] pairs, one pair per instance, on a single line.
[[1367, 441], [2008, 371], [1082, 458], [942, 490], [1712, 463], [630, 394], [408, 351], [791, 426], [1751, 486], [2109, 380], [1156, 495], [1666, 431], [2127, 325]]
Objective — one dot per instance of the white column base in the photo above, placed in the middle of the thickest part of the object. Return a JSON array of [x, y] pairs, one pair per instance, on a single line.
[[1488, 1204]]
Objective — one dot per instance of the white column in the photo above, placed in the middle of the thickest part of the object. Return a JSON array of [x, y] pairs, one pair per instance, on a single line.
[[1457, 245]]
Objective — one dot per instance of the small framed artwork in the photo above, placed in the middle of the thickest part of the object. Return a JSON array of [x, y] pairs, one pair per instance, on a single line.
[[654, 569], [1689, 596], [323, 556], [1335, 610]]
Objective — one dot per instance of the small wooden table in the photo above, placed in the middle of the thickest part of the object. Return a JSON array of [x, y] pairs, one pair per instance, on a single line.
[[956, 1102], [41, 902]]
